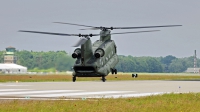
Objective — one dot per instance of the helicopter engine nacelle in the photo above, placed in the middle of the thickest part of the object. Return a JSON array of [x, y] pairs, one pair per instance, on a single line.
[[99, 53], [77, 53]]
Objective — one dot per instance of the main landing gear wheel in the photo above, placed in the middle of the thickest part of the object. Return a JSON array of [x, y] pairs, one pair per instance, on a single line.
[[114, 71], [74, 78], [103, 78]]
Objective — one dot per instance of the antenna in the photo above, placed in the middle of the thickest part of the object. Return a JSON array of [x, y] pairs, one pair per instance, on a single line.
[[195, 61]]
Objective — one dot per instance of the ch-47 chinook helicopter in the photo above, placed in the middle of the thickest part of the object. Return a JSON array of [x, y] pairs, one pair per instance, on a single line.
[[100, 58]]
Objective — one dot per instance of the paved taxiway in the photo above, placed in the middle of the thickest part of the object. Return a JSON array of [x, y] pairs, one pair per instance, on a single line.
[[94, 89]]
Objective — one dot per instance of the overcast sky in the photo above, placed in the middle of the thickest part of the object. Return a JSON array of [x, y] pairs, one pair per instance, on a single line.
[[38, 15]]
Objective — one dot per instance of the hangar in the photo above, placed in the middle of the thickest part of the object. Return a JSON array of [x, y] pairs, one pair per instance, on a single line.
[[12, 68]]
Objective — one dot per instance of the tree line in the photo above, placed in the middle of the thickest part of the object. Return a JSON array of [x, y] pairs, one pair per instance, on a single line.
[[167, 64], [62, 61]]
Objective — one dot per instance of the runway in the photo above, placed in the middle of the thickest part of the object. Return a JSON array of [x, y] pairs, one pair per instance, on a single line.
[[93, 89]]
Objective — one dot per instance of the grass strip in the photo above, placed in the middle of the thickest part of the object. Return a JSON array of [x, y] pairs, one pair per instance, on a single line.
[[118, 77], [161, 103]]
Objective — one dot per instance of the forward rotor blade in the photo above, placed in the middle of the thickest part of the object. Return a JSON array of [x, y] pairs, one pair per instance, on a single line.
[[73, 24], [80, 42], [60, 34], [49, 33], [135, 32], [145, 27]]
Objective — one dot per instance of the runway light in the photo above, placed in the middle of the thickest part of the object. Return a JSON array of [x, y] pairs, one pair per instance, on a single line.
[[179, 89], [27, 97], [83, 98]]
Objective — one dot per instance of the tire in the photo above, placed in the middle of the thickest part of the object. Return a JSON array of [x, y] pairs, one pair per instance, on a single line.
[[112, 70], [103, 78], [115, 71], [74, 79]]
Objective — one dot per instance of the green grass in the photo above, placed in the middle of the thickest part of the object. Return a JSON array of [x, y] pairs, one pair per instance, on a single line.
[[110, 77], [161, 103]]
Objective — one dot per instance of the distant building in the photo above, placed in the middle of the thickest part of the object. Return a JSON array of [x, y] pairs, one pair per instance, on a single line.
[[9, 65], [191, 70], [9, 56], [12, 68]]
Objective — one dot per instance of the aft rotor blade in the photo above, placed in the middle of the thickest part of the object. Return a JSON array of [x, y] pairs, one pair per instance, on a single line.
[[93, 28], [50, 33], [145, 27], [135, 32], [111, 28], [73, 24]]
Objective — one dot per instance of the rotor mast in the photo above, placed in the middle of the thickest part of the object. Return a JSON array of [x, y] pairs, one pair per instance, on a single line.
[[105, 35]]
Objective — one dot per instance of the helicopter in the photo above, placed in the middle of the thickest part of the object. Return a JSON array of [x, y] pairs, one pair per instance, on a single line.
[[96, 59]]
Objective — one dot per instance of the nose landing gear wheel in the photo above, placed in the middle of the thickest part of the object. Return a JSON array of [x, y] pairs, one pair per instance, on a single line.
[[74, 78], [114, 71], [103, 78]]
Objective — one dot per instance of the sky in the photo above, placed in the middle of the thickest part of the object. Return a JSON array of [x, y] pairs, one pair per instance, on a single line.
[[39, 15]]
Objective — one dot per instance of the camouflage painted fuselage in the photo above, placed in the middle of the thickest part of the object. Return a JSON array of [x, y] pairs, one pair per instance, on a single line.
[[97, 59]]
